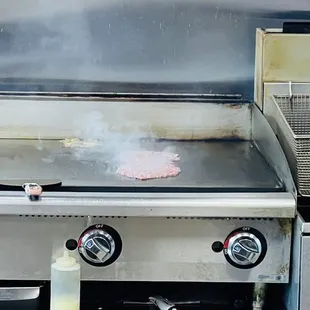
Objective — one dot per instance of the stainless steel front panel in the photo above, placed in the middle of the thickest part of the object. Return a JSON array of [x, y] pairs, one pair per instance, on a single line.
[[223, 205], [154, 249]]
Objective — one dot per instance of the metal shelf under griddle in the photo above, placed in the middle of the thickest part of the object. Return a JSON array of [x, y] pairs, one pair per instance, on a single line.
[[206, 166]]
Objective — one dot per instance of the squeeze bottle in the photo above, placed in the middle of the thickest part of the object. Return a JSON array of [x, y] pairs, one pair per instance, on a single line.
[[65, 283]]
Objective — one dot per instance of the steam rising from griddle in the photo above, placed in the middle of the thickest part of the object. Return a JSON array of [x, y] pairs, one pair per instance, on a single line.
[[110, 140], [112, 144]]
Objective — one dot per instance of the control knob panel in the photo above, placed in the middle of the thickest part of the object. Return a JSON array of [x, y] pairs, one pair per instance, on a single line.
[[245, 248], [100, 245]]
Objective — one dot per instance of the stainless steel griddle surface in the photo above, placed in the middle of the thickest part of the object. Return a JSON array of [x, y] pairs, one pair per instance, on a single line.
[[213, 165]]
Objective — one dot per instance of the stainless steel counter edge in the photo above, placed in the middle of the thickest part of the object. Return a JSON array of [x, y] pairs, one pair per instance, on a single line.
[[266, 205], [302, 225], [19, 293]]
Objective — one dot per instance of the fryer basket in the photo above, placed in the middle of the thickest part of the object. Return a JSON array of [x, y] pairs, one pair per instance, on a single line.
[[292, 116]]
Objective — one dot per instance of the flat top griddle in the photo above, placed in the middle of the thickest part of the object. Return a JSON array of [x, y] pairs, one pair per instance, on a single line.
[[206, 166]]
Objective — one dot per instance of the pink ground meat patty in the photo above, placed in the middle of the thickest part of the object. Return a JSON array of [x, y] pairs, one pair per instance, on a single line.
[[145, 165]]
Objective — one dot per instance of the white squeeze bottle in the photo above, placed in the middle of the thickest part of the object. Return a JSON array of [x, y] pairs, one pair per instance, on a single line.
[[65, 283]]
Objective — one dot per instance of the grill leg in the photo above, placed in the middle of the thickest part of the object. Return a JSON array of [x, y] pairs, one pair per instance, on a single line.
[[259, 292]]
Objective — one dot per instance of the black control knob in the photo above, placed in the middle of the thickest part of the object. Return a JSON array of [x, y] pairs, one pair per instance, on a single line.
[[71, 244], [245, 248], [100, 245]]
